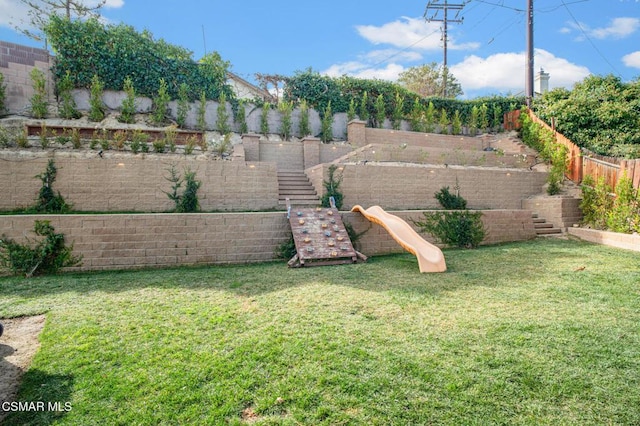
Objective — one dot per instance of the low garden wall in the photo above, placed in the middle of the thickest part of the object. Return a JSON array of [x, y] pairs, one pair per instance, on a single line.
[[128, 241], [410, 186], [612, 239], [136, 183]]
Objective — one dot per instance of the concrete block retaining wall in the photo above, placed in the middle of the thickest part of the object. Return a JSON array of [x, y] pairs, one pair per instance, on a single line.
[[160, 240], [562, 212], [413, 187], [124, 182]]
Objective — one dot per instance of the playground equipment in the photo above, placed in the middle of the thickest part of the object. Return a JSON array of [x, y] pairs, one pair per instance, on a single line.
[[430, 257], [320, 237]]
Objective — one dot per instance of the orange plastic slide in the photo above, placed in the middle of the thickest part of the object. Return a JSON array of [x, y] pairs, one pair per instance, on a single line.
[[430, 257]]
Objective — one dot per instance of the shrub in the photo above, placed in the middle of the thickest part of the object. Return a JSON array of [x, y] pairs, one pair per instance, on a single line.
[[398, 111], [3, 95], [327, 124], [364, 107], [416, 117], [332, 189], [304, 128], [241, 118], [443, 122], [128, 108], [222, 121], [351, 112], [597, 202], [624, 215], [381, 112], [451, 201], [183, 105], [285, 108], [47, 256], [160, 104], [201, 114], [67, 108], [264, 118], [170, 136], [460, 228], [187, 202], [48, 200], [456, 123], [39, 108], [224, 146], [96, 106]]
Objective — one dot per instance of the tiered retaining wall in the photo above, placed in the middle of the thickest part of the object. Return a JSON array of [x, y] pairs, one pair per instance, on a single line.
[[292, 155], [406, 186], [159, 240], [125, 182], [563, 212]]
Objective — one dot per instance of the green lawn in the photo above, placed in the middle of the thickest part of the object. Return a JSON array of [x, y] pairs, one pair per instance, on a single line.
[[511, 334]]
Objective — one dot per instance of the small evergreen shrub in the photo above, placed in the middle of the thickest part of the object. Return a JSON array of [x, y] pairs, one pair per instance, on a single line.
[[67, 107], [187, 202], [48, 255], [363, 111], [327, 124], [398, 111], [459, 228], [332, 188], [381, 113], [183, 105], [285, 108], [201, 113], [264, 118], [160, 104], [241, 118], [96, 106], [451, 201], [48, 200], [38, 101], [128, 107], [304, 127], [222, 121]]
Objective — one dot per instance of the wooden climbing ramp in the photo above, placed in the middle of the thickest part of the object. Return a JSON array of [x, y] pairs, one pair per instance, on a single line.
[[320, 238]]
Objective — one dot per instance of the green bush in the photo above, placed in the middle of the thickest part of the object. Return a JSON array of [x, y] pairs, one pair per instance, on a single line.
[[459, 228], [597, 202], [128, 108], [48, 200], [3, 95], [187, 202], [451, 201], [96, 106], [114, 52], [332, 188], [38, 101], [285, 108], [222, 116], [67, 108], [624, 215], [160, 104], [48, 256], [326, 125]]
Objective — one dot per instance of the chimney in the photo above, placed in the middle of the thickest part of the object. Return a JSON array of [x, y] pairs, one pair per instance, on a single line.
[[541, 85]]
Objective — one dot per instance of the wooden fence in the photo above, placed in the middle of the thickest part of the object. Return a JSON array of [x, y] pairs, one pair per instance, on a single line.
[[584, 163]]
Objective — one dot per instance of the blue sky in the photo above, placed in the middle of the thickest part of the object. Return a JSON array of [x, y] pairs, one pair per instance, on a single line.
[[380, 39]]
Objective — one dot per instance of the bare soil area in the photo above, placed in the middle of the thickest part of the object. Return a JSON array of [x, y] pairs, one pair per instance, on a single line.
[[18, 344]]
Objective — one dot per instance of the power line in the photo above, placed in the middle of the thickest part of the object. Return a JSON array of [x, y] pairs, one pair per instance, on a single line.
[[434, 6], [584, 33]]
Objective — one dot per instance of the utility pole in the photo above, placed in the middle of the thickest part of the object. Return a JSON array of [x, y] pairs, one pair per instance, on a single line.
[[528, 86], [435, 6]]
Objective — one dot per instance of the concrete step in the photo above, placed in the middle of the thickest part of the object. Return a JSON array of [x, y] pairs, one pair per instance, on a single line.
[[543, 228]]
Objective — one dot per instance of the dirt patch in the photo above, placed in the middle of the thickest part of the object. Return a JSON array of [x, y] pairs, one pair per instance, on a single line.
[[18, 345]]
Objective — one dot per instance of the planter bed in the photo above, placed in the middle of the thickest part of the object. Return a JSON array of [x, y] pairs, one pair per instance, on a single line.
[[87, 132]]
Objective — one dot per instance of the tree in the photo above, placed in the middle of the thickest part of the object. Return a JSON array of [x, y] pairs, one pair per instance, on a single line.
[[41, 10], [427, 80]]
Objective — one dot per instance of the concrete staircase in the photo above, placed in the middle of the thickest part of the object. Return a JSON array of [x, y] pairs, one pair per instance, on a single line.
[[297, 187], [543, 228]]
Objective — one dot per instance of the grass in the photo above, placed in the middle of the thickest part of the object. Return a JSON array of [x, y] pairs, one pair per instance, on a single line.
[[515, 334]]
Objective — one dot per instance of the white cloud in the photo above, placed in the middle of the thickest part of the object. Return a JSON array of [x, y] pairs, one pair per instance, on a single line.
[[410, 32], [619, 28], [505, 72], [14, 12], [386, 55], [364, 70], [632, 59]]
